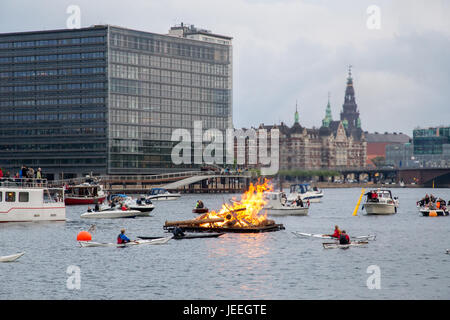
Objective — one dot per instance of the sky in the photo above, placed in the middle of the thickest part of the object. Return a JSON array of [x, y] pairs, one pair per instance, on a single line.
[[291, 51]]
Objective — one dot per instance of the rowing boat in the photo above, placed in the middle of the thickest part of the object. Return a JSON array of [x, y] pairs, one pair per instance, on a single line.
[[324, 236], [334, 245], [12, 257], [132, 243], [190, 236]]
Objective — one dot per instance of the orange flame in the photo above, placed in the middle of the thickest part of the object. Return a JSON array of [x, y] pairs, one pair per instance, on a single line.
[[244, 213]]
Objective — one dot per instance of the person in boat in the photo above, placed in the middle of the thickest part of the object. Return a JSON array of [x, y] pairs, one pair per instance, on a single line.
[[97, 207], [299, 202], [375, 197], [344, 238], [178, 232], [122, 238], [283, 198], [337, 232], [89, 209], [199, 205]]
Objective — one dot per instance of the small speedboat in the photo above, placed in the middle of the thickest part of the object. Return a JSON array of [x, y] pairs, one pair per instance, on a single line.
[[380, 202], [111, 213], [277, 205], [162, 194], [305, 192], [12, 257], [161, 240], [141, 204]]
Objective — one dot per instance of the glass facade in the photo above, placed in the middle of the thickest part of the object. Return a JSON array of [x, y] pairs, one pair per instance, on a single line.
[[158, 84], [430, 140], [106, 99], [53, 101]]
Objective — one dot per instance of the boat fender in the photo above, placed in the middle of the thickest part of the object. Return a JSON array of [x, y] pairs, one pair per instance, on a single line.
[[432, 213]]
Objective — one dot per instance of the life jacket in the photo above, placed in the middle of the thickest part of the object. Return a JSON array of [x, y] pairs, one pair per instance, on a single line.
[[336, 234], [119, 240], [344, 239]]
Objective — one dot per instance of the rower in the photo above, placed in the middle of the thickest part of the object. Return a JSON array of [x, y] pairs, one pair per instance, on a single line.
[[344, 238], [122, 238], [178, 232], [337, 232]]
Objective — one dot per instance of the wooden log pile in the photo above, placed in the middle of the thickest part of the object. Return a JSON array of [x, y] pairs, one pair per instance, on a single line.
[[232, 224]]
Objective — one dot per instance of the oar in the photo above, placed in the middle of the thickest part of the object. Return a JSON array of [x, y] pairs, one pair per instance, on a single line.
[[355, 212]]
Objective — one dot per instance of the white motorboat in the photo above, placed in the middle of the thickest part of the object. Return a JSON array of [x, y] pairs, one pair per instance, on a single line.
[[433, 207], [131, 243], [305, 192], [28, 200], [110, 213], [380, 202], [12, 257], [162, 194], [277, 205], [145, 206]]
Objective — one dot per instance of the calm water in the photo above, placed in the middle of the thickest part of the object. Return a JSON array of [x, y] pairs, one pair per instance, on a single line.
[[410, 251]]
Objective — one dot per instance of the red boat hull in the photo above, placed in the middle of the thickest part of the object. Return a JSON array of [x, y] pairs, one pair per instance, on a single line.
[[75, 201]]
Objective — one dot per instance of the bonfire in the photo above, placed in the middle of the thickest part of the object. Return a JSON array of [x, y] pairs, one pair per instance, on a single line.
[[242, 215]]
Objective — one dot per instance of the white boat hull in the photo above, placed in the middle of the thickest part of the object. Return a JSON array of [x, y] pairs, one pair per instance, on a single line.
[[143, 209], [12, 257], [380, 208], [111, 214], [302, 211], [161, 197], [87, 244]]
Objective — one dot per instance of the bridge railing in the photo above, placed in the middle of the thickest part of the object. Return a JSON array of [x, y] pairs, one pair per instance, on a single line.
[[143, 178]]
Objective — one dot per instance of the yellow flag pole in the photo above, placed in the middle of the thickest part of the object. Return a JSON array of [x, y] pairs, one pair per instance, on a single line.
[[355, 212]]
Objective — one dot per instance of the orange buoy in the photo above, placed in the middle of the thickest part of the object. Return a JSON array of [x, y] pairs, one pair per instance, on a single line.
[[84, 236], [433, 213]]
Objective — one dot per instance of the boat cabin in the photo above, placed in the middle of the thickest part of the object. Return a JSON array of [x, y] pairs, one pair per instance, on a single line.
[[157, 191], [301, 188], [381, 194], [86, 190]]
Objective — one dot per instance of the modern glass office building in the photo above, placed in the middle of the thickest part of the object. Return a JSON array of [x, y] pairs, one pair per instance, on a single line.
[[106, 99]]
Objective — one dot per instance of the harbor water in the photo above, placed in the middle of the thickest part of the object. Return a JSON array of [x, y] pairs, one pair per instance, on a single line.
[[409, 253]]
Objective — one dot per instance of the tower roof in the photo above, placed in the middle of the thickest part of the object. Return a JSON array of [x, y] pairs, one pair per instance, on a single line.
[[328, 117]]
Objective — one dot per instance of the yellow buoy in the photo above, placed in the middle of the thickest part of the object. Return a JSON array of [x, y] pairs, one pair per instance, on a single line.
[[355, 212]]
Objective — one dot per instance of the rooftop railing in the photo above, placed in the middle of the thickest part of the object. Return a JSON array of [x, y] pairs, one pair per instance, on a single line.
[[23, 182]]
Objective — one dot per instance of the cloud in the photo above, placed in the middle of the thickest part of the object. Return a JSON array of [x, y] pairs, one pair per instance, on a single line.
[[289, 50]]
